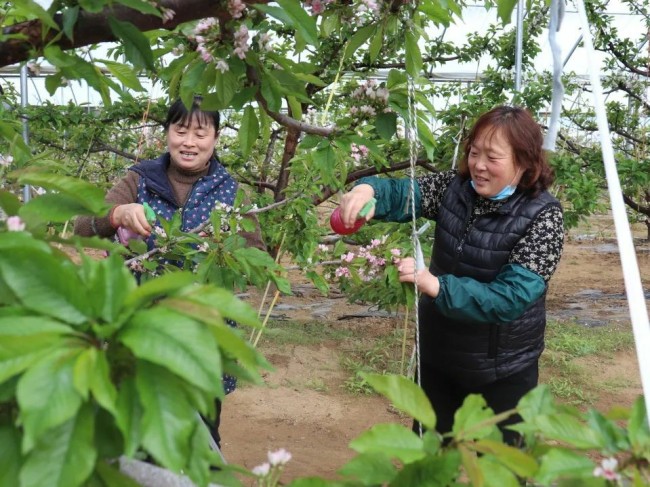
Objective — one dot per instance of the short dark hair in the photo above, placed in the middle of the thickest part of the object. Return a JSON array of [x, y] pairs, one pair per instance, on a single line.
[[524, 135], [179, 113]]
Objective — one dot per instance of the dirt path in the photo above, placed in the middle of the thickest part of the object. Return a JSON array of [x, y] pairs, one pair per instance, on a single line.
[[304, 408]]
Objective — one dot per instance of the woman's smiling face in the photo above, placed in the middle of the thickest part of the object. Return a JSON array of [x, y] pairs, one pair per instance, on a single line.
[[191, 145], [491, 163]]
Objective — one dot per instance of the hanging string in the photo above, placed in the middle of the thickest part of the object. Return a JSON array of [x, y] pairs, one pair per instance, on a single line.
[[631, 275], [411, 133]]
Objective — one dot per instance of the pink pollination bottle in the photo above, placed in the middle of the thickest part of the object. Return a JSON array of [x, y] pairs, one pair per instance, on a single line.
[[337, 223], [125, 235]]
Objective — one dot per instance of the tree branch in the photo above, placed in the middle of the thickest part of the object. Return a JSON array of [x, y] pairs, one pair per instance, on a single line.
[[93, 28], [285, 120]]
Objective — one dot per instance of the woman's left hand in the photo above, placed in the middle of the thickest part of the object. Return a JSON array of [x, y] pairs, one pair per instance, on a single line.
[[427, 282]]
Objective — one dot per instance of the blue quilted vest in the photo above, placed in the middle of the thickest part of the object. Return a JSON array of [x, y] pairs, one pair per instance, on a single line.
[[155, 189]]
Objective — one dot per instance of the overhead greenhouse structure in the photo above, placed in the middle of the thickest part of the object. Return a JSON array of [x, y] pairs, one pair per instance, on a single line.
[[117, 353]]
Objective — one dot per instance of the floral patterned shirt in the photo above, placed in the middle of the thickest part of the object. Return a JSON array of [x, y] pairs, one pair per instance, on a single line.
[[538, 251]]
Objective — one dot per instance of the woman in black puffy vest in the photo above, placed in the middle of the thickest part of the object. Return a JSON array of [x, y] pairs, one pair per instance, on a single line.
[[498, 240]]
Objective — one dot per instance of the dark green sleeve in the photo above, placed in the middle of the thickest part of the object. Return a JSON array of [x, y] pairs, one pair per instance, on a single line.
[[506, 298], [393, 198]]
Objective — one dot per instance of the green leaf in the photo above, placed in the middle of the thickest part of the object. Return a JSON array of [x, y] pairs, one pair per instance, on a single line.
[[393, 440], [515, 459], [136, 46], [65, 456], [9, 202], [504, 9], [55, 55], [32, 9], [70, 16], [141, 6], [271, 91], [376, 43], [226, 304], [169, 419], [26, 339], [565, 427], [495, 474], [202, 456], [47, 396], [124, 74], [162, 286], [405, 395], [536, 403], [249, 131], [370, 468], [430, 471], [325, 161], [559, 463], [88, 195], [319, 281], [92, 373], [172, 340], [109, 284], [357, 39], [226, 85], [471, 419], [10, 458], [637, 427], [112, 477], [413, 55], [51, 208], [300, 20], [44, 284], [129, 416], [93, 6], [386, 125]]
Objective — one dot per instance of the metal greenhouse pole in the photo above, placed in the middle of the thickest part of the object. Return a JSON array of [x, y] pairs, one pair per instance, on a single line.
[[23, 103], [519, 44]]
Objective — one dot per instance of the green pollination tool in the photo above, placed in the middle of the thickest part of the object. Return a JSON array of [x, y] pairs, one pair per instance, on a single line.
[[149, 214], [367, 207]]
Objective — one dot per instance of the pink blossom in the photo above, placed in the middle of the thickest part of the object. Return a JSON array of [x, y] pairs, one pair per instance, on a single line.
[[342, 272], [15, 224], [264, 42], [222, 65], [6, 160], [236, 8], [317, 7], [241, 42], [607, 469], [375, 242], [395, 252], [205, 54], [349, 257], [279, 457], [167, 14], [323, 248], [262, 470], [205, 24]]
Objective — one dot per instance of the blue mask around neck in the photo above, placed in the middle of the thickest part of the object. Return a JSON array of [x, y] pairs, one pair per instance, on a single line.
[[506, 192]]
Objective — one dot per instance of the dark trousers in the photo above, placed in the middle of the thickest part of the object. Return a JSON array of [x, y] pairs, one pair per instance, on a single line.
[[447, 395], [213, 425]]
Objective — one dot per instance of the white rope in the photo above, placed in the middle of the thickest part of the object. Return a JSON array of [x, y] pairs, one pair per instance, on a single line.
[[631, 276], [411, 131]]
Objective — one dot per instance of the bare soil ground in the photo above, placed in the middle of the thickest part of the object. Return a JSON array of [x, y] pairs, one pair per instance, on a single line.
[[304, 407]]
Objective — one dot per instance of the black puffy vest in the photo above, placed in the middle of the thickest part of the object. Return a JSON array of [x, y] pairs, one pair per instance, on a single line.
[[473, 353]]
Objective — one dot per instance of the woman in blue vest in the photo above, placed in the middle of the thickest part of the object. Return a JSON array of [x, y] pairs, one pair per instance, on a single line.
[[189, 177], [498, 240]]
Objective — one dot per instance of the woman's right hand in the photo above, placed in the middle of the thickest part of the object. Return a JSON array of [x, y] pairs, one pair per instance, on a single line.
[[132, 217], [353, 201]]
